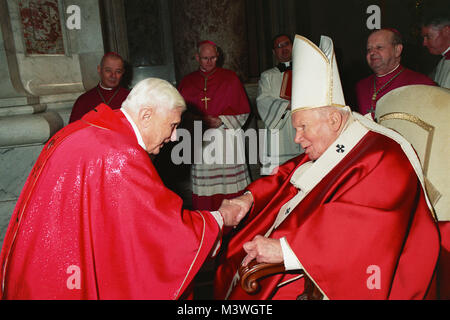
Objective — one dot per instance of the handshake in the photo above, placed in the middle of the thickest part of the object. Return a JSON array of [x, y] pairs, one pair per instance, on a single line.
[[234, 210]]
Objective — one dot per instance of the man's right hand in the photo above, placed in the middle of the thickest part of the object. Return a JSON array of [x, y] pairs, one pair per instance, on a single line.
[[245, 201], [231, 213]]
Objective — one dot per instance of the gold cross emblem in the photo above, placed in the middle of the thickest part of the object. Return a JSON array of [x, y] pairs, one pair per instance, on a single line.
[[205, 100]]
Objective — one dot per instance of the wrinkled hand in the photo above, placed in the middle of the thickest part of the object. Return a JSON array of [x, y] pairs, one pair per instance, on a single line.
[[263, 250], [231, 213]]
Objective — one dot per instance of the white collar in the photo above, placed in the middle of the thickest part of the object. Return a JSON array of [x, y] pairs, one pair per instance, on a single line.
[[443, 53], [100, 84], [135, 129], [389, 71]]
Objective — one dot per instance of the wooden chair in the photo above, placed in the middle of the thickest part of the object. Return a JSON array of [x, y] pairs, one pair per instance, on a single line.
[[422, 115]]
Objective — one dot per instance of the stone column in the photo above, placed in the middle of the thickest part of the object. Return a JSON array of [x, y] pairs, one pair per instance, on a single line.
[[222, 22]]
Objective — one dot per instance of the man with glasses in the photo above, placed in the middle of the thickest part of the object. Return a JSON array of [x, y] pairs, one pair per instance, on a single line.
[[274, 107], [215, 96]]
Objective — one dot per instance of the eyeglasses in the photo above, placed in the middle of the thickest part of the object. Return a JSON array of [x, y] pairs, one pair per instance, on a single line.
[[283, 44], [208, 58]]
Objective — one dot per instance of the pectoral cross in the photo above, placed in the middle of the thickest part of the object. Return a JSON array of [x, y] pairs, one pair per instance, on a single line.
[[205, 100]]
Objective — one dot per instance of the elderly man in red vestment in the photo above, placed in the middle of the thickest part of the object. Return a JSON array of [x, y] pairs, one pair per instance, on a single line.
[[94, 220], [108, 90], [316, 216], [384, 50], [216, 97]]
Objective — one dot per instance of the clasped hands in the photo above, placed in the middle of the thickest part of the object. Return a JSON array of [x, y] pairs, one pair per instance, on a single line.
[[234, 210]]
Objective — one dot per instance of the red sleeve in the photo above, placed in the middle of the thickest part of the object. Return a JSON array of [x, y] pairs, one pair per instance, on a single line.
[[264, 188], [148, 246]]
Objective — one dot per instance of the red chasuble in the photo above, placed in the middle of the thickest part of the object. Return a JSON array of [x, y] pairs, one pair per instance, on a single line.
[[224, 94], [365, 88], [94, 221], [92, 98], [368, 214]]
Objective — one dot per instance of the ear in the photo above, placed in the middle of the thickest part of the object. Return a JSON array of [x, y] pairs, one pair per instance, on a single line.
[[197, 57], [145, 115], [398, 50], [99, 69], [446, 31], [335, 120]]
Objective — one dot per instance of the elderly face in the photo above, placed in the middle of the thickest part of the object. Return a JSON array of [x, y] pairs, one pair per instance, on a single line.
[[314, 131], [435, 39], [283, 49], [382, 55], [111, 71], [158, 127], [207, 57]]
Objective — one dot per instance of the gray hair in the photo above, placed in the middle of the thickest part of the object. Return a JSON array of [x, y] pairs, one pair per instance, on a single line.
[[153, 92]]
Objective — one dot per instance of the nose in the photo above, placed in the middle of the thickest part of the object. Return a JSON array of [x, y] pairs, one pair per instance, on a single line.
[[173, 136], [298, 137]]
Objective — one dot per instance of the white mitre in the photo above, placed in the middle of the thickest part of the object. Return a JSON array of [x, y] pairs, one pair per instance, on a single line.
[[315, 76]]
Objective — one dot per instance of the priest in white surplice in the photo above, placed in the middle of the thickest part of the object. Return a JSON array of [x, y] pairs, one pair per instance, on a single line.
[[436, 37], [274, 107]]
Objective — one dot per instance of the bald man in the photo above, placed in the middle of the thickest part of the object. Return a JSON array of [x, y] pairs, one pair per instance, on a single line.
[[384, 52], [108, 91], [218, 99]]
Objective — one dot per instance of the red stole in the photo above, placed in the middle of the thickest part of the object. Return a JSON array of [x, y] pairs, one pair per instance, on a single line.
[[366, 88], [97, 95], [286, 85], [219, 92], [94, 221], [340, 230]]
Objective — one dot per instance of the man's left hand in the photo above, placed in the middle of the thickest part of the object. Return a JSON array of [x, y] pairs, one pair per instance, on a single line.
[[263, 250]]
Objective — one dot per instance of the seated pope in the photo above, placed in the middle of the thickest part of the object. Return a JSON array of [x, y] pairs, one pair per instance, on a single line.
[[350, 215], [94, 219]]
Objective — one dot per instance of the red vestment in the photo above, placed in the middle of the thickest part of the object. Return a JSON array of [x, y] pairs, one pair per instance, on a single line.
[[92, 98], [224, 90], [340, 230], [217, 93], [94, 221], [399, 77]]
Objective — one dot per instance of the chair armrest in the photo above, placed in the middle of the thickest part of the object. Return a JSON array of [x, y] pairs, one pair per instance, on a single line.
[[254, 271]]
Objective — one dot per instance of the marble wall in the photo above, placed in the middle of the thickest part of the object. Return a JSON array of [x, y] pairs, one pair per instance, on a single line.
[[223, 22]]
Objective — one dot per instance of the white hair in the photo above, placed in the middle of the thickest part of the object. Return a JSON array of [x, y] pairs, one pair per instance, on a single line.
[[325, 111], [153, 92]]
